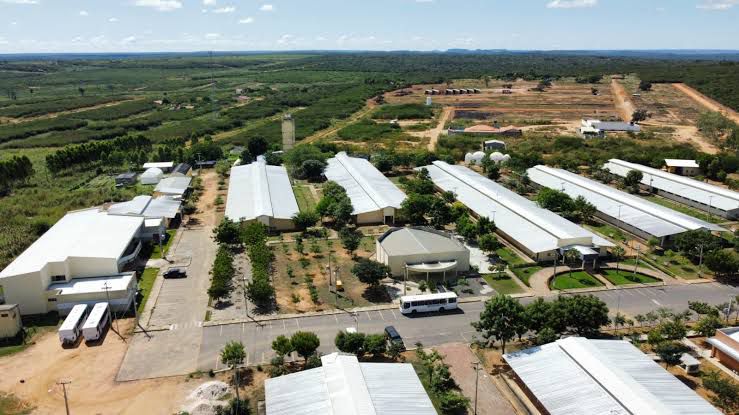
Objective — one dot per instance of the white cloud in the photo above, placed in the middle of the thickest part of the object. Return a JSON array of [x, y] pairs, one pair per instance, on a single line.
[[229, 9], [113, 19], [286, 40], [212, 35], [424, 1], [267, 8], [84, 13], [20, 1], [209, 2], [128, 40], [571, 4], [246, 20], [13, 23], [161, 5], [717, 4]]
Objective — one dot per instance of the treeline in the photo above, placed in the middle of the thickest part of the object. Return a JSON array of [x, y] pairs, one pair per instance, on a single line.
[[122, 110], [46, 107], [9, 132], [14, 170], [259, 289], [86, 153]]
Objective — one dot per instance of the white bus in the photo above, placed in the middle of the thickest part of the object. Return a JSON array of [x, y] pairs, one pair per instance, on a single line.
[[428, 302], [69, 331], [97, 322]]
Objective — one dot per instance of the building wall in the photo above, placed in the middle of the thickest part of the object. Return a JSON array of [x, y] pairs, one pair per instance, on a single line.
[[27, 291], [397, 263], [376, 216], [698, 205], [10, 323], [726, 360], [281, 224]]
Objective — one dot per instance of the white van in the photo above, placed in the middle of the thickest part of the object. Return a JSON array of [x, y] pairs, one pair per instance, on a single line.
[[70, 330], [97, 322]]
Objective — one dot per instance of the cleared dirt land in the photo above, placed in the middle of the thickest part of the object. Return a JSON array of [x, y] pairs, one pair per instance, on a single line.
[[92, 370]]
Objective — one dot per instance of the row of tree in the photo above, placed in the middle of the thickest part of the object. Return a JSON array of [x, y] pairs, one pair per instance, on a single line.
[[222, 274], [259, 289], [17, 169], [87, 153]]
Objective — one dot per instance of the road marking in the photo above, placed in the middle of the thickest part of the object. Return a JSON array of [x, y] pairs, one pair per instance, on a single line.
[[221, 333], [297, 323], [217, 362], [200, 324], [284, 326], [381, 316], [263, 357], [641, 292], [336, 318], [247, 358], [243, 328], [394, 316], [369, 316], [656, 302]]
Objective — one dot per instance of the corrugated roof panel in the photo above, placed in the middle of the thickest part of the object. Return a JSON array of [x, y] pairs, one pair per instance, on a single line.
[[173, 185], [390, 383], [701, 192], [257, 189], [650, 217], [407, 241], [367, 188]]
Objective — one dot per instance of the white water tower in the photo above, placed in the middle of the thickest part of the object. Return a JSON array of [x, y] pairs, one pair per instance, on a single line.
[[428, 101]]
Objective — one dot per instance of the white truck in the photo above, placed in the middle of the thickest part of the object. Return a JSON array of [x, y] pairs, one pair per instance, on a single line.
[[70, 329], [97, 322]]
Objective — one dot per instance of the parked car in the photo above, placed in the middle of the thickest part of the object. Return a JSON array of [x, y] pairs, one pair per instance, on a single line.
[[175, 273], [393, 336]]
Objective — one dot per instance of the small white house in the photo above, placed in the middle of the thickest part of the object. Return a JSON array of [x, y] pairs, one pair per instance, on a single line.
[[10, 321], [151, 176]]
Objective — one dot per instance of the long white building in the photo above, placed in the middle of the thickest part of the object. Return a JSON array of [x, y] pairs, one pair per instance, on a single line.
[[707, 197], [538, 232], [260, 192], [56, 270], [374, 197], [632, 213], [578, 376]]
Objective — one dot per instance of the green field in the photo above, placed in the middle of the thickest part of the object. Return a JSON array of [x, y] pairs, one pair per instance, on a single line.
[[578, 279], [524, 273], [156, 253], [622, 277], [502, 283], [608, 231], [306, 200]]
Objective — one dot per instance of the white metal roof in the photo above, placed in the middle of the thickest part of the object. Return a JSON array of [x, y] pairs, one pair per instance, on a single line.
[[681, 163], [578, 376], [153, 172], [649, 217], [257, 189], [539, 230], [82, 234], [148, 207], [94, 285], [176, 185], [343, 386], [159, 165], [368, 189], [707, 194], [411, 241]]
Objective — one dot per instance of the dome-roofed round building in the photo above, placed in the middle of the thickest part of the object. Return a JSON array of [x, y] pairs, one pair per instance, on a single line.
[[422, 250]]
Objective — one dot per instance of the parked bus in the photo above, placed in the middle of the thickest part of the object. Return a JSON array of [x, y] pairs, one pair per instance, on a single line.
[[428, 302], [97, 322], [70, 330]]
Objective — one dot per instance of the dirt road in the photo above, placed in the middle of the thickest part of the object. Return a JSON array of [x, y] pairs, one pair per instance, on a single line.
[[708, 103], [623, 104], [366, 110], [434, 133], [92, 370]]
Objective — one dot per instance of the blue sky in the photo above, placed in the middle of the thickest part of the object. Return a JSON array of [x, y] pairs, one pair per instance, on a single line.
[[194, 25]]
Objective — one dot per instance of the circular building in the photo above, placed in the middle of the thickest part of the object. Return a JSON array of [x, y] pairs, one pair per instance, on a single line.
[[422, 250]]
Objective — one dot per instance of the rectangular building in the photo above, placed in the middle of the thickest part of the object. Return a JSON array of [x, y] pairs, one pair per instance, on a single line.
[[578, 376], [158, 213], [541, 234], [725, 347], [176, 186], [707, 197], [263, 193], [374, 197], [10, 321], [683, 167], [631, 213], [83, 244]]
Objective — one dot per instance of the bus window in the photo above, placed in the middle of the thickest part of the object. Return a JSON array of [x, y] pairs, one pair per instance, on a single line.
[[406, 305], [452, 300]]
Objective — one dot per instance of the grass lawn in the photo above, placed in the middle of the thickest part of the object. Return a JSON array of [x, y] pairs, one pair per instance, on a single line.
[[622, 277], [524, 273], [11, 405], [678, 265], [502, 283], [509, 257], [607, 230], [305, 198], [35, 326], [423, 376], [156, 253], [145, 283], [8, 350], [579, 279], [684, 209]]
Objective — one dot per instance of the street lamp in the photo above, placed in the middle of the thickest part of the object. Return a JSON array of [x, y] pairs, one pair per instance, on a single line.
[[476, 366]]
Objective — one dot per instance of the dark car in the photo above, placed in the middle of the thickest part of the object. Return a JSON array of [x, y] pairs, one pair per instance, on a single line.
[[393, 336], [175, 273]]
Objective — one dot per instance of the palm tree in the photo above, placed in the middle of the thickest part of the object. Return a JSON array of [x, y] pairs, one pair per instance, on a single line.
[[618, 254], [571, 256], [641, 319]]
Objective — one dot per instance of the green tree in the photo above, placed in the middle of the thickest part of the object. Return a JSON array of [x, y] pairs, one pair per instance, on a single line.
[[538, 314], [726, 391], [618, 252], [708, 325], [305, 219], [554, 200], [233, 354], [350, 239], [639, 116], [570, 257], [485, 225], [453, 402], [489, 243], [703, 308], [441, 213], [375, 344], [257, 146], [350, 342], [633, 180], [502, 319], [260, 291], [723, 263], [227, 232], [370, 272], [416, 206], [545, 336], [670, 352], [583, 210], [586, 314], [282, 345], [305, 343], [645, 85]]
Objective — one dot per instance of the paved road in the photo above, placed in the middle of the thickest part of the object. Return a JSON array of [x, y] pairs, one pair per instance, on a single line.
[[431, 329]]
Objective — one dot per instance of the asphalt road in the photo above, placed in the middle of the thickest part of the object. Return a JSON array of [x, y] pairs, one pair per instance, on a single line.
[[432, 329]]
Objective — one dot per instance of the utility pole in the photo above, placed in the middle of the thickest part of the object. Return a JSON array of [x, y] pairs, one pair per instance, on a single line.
[[476, 366], [107, 287], [700, 262], [637, 258], [64, 384]]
